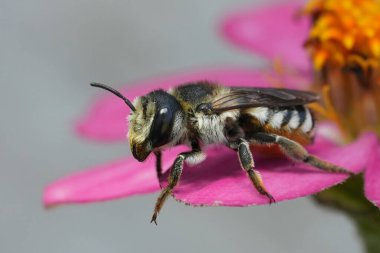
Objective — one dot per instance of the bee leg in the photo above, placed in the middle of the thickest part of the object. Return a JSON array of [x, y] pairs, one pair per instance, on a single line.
[[297, 152], [175, 174], [247, 163], [158, 164]]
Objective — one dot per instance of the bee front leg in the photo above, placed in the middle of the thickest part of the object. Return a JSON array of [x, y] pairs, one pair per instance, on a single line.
[[297, 152], [175, 173], [158, 155], [247, 163]]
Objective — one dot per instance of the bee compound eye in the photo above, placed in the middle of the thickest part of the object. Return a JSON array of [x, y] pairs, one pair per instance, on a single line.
[[161, 127], [166, 107]]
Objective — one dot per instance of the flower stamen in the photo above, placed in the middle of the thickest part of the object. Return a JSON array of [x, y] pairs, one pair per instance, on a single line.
[[344, 45]]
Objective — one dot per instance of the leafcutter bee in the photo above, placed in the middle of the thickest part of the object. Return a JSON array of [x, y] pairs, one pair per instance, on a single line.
[[202, 113]]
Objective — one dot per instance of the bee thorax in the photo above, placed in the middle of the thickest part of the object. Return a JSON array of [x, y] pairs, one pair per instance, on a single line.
[[211, 128]]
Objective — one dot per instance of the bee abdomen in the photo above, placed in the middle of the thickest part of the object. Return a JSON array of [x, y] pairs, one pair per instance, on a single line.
[[286, 119]]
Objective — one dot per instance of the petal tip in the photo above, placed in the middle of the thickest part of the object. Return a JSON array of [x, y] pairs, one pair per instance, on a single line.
[[80, 128], [53, 196]]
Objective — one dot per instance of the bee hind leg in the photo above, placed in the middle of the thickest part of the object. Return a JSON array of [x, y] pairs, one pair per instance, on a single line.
[[247, 163], [297, 152], [175, 174]]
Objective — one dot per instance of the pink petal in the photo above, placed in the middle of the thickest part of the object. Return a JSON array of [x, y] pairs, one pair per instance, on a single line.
[[123, 178], [220, 180], [106, 119], [273, 31], [372, 178]]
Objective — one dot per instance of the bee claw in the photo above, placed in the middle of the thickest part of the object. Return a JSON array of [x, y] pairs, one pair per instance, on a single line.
[[271, 199], [154, 219]]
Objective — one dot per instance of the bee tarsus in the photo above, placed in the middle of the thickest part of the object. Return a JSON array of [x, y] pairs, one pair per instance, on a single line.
[[174, 176], [247, 163]]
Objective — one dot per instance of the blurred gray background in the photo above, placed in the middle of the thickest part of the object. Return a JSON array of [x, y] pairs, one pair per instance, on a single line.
[[49, 52]]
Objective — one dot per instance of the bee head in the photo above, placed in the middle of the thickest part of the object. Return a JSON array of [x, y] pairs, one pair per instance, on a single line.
[[151, 121], [151, 125]]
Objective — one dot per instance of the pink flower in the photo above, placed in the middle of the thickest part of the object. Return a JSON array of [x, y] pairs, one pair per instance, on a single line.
[[253, 28], [217, 181]]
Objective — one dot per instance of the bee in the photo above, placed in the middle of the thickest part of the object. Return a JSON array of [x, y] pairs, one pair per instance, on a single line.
[[202, 113]]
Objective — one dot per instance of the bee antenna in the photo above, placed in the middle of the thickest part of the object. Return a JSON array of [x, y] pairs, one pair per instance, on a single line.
[[117, 93]]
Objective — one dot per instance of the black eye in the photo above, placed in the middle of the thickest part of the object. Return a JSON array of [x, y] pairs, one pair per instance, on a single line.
[[166, 109], [161, 127]]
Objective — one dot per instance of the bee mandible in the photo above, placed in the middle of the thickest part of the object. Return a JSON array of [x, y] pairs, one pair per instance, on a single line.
[[202, 113]]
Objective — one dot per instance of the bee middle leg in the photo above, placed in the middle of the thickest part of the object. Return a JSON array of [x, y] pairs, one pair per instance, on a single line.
[[297, 152], [247, 163], [175, 174]]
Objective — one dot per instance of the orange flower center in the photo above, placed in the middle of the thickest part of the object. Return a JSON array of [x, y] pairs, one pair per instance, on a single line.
[[344, 32], [344, 45]]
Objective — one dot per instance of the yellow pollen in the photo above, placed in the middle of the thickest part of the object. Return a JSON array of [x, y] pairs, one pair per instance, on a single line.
[[341, 29], [344, 46]]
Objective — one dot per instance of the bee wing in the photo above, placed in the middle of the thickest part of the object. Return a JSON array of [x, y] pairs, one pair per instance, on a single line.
[[243, 97]]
